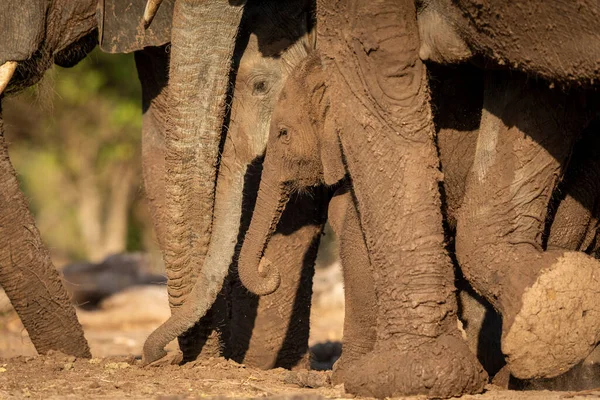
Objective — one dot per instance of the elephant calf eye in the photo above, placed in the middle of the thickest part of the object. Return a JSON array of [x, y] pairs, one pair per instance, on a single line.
[[260, 88], [283, 132]]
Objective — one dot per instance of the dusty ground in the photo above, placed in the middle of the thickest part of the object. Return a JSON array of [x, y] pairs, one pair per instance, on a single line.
[[116, 334]]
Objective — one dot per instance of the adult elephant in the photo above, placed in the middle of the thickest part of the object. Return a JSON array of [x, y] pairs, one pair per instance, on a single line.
[[527, 132], [303, 153], [386, 102], [386, 136], [273, 36], [521, 152]]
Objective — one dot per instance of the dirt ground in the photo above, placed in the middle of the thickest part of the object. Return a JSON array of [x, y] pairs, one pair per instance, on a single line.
[[117, 331]]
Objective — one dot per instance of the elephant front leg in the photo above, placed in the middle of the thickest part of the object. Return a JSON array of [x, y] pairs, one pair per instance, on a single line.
[[27, 274], [272, 331], [359, 284], [548, 299], [380, 101]]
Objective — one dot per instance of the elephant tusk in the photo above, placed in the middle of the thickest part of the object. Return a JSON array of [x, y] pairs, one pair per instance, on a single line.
[[6, 73], [150, 11]]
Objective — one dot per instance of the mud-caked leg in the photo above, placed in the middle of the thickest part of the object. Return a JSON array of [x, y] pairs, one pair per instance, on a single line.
[[548, 299], [27, 274], [359, 286], [380, 101]]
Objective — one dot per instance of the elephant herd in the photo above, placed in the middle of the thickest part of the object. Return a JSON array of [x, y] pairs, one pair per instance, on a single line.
[[434, 135]]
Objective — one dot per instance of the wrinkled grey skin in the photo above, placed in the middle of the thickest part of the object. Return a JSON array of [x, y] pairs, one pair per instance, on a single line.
[[267, 49], [556, 40]]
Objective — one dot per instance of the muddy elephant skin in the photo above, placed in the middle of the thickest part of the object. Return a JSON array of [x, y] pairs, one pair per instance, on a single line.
[[299, 165], [570, 206], [293, 160], [557, 40], [527, 132], [267, 45]]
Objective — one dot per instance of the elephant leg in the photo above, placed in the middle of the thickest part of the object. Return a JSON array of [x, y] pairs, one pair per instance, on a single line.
[[27, 275], [575, 222], [359, 285], [153, 66], [551, 319], [272, 331], [387, 136]]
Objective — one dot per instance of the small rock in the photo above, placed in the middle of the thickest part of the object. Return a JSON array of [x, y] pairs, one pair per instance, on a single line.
[[95, 360], [116, 365], [2, 369], [68, 366], [94, 385]]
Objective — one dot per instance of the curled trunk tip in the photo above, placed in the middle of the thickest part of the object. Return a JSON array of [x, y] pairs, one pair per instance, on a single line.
[[265, 282], [257, 273]]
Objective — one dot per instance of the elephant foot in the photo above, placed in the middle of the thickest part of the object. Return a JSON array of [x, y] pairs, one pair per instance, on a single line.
[[340, 370], [558, 324], [440, 368], [351, 357]]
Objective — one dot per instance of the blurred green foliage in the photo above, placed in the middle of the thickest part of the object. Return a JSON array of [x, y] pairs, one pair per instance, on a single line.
[[75, 140]]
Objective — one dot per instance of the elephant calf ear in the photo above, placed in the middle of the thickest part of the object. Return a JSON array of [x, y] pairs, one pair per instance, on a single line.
[[121, 29], [334, 169]]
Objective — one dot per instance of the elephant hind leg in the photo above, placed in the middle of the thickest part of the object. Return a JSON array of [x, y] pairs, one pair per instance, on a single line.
[[27, 275], [576, 220], [550, 320]]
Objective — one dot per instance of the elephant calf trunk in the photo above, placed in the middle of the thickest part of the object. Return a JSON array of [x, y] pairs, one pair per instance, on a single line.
[[256, 272]]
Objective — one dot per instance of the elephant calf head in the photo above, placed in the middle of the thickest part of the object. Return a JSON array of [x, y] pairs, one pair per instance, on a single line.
[[303, 151]]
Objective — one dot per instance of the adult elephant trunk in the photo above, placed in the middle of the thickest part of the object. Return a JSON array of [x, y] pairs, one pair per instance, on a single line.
[[202, 43], [257, 273]]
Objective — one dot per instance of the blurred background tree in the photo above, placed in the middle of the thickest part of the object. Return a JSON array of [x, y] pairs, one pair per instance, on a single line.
[[75, 140]]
